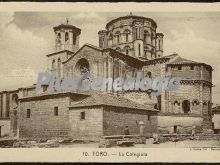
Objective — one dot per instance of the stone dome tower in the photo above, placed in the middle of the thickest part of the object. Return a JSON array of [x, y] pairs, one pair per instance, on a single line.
[[134, 36]]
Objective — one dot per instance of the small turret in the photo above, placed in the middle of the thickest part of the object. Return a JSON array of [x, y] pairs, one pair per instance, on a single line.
[[66, 37]]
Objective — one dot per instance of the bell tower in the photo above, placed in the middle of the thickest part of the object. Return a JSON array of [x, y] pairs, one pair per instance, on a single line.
[[66, 37]]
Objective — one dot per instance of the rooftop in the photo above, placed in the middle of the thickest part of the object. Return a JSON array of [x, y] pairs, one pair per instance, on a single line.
[[67, 26], [182, 61], [49, 95], [132, 17], [107, 99]]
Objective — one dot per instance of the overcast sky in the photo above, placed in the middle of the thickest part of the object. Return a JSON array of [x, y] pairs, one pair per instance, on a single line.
[[26, 37]]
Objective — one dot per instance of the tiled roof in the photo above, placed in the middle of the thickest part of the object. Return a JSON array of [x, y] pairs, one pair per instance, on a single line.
[[110, 100], [132, 17], [67, 26], [131, 60], [180, 60], [51, 54], [52, 94]]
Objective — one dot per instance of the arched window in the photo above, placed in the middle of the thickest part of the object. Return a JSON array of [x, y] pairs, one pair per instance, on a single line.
[[137, 33], [159, 44], [149, 74], [59, 66], [59, 38], [186, 106], [74, 39], [116, 68], [176, 106], [118, 49], [127, 32], [117, 35], [139, 50], [205, 108], [126, 48], [146, 34], [195, 105], [53, 65], [110, 37], [66, 36]]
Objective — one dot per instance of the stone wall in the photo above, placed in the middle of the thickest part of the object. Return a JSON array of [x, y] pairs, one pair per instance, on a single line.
[[5, 127], [156, 69], [191, 92], [186, 72], [42, 122], [90, 128], [94, 58], [141, 97], [115, 119], [216, 121], [195, 72], [184, 124]]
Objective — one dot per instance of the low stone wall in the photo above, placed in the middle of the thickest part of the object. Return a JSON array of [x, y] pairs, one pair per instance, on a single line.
[[5, 127], [184, 124], [7, 143], [110, 141], [180, 137]]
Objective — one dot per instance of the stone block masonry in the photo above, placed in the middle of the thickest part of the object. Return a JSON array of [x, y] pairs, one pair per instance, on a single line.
[[42, 121]]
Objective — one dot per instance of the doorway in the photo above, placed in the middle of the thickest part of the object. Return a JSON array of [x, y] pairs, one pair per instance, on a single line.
[[186, 106], [175, 129]]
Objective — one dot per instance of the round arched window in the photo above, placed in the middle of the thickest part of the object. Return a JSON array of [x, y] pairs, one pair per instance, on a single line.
[[82, 66]]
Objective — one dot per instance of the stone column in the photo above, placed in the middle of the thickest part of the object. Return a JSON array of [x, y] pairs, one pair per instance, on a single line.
[[110, 67], [141, 124], [4, 104], [201, 98], [191, 107], [106, 68], [181, 107]]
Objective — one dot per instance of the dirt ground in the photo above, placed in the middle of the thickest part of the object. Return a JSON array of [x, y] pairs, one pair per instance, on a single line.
[[180, 144]]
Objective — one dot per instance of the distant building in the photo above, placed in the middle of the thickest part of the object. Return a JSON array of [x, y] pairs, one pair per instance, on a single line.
[[127, 45]]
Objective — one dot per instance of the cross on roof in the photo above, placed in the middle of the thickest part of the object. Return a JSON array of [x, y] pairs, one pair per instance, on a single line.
[[67, 21]]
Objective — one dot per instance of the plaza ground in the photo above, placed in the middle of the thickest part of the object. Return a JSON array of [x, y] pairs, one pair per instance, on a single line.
[[179, 144]]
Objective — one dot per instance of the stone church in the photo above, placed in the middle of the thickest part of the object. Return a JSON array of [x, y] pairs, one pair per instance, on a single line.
[[127, 44]]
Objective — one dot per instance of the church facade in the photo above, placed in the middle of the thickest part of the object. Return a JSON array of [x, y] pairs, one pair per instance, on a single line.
[[128, 45]]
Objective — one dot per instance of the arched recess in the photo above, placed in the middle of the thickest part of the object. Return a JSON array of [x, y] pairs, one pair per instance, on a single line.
[[127, 48], [205, 108], [146, 36], [195, 106], [186, 106], [66, 36], [117, 37], [176, 106], [127, 33], [82, 66], [118, 49]]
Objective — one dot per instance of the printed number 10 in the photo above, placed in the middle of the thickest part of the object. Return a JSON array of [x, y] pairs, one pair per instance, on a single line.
[[85, 154]]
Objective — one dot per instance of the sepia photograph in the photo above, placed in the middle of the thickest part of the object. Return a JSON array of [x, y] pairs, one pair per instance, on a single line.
[[110, 80]]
